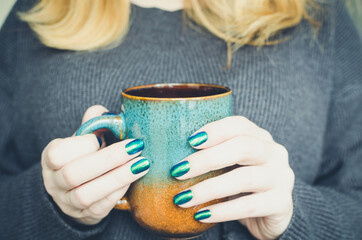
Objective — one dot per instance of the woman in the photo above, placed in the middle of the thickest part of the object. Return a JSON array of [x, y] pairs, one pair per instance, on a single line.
[[297, 128]]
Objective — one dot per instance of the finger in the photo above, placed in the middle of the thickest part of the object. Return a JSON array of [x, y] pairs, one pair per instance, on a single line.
[[101, 208], [242, 150], [240, 180], [250, 206], [95, 209], [91, 192], [61, 151], [222, 130], [93, 165]]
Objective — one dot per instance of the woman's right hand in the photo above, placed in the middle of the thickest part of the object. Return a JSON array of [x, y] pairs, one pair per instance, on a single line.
[[85, 181]]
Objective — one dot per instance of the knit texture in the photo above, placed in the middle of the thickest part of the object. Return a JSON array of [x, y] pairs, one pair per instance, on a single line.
[[307, 92]]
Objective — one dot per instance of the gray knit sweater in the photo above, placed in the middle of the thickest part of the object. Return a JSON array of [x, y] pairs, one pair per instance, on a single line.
[[307, 92]]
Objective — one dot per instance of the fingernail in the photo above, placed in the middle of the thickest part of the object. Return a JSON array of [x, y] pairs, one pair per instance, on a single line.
[[99, 141], [183, 197], [108, 113], [140, 166], [201, 215], [198, 139], [180, 169], [135, 146]]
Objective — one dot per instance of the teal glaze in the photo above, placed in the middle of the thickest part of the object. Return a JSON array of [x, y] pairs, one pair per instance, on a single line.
[[201, 215], [140, 166], [165, 127], [180, 169], [198, 139], [115, 123], [134, 146], [183, 197]]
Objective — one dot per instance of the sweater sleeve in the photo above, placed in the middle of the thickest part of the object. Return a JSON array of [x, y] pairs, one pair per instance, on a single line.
[[331, 208], [26, 210]]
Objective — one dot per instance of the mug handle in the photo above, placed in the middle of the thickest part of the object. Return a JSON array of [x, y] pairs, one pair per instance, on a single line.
[[117, 125]]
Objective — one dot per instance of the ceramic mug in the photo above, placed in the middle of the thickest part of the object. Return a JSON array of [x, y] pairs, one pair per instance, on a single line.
[[164, 116]]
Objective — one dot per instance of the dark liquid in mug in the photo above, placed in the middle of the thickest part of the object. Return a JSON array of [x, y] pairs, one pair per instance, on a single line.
[[177, 91]]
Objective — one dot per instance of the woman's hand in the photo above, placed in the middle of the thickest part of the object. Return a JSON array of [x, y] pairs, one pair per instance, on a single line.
[[86, 182], [259, 189]]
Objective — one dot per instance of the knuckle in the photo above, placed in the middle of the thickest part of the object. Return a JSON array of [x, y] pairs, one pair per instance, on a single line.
[[55, 142], [266, 134], [111, 200], [67, 198], [52, 158], [69, 177], [284, 179], [114, 155], [240, 123], [114, 198], [49, 187], [64, 207], [242, 141], [94, 110], [239, 119], [203, 188], [250, 209], [81, 199], [284, 201], [248, 145], [53, 154], [282, 153], [290, 176], [96, 210], [119, 179], [247, 178], [58, 198], [67, 210], [42, 162], [213, 166]]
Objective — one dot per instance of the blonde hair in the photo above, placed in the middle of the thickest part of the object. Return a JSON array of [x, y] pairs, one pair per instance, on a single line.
[[93, 24]]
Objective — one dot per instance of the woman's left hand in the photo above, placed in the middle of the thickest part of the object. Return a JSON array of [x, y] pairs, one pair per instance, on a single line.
[[259, 189]]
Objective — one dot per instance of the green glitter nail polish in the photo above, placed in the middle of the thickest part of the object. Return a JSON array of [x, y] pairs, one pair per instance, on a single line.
[[183, 197], [140, 166], [180, 169], [198, 139], [201, 215], [135, 146]]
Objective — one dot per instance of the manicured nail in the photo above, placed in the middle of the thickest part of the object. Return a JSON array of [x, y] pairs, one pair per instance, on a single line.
[[201, 215], [198, 139], [108, 113], [180, 169], [99, 141], [140, 166], [183, 197], [135, 146]]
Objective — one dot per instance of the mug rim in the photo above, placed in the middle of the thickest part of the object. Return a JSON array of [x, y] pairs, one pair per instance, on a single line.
[[124, 94]]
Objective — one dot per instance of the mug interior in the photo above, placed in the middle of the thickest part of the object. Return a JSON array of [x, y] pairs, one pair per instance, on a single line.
[[190, 90]]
